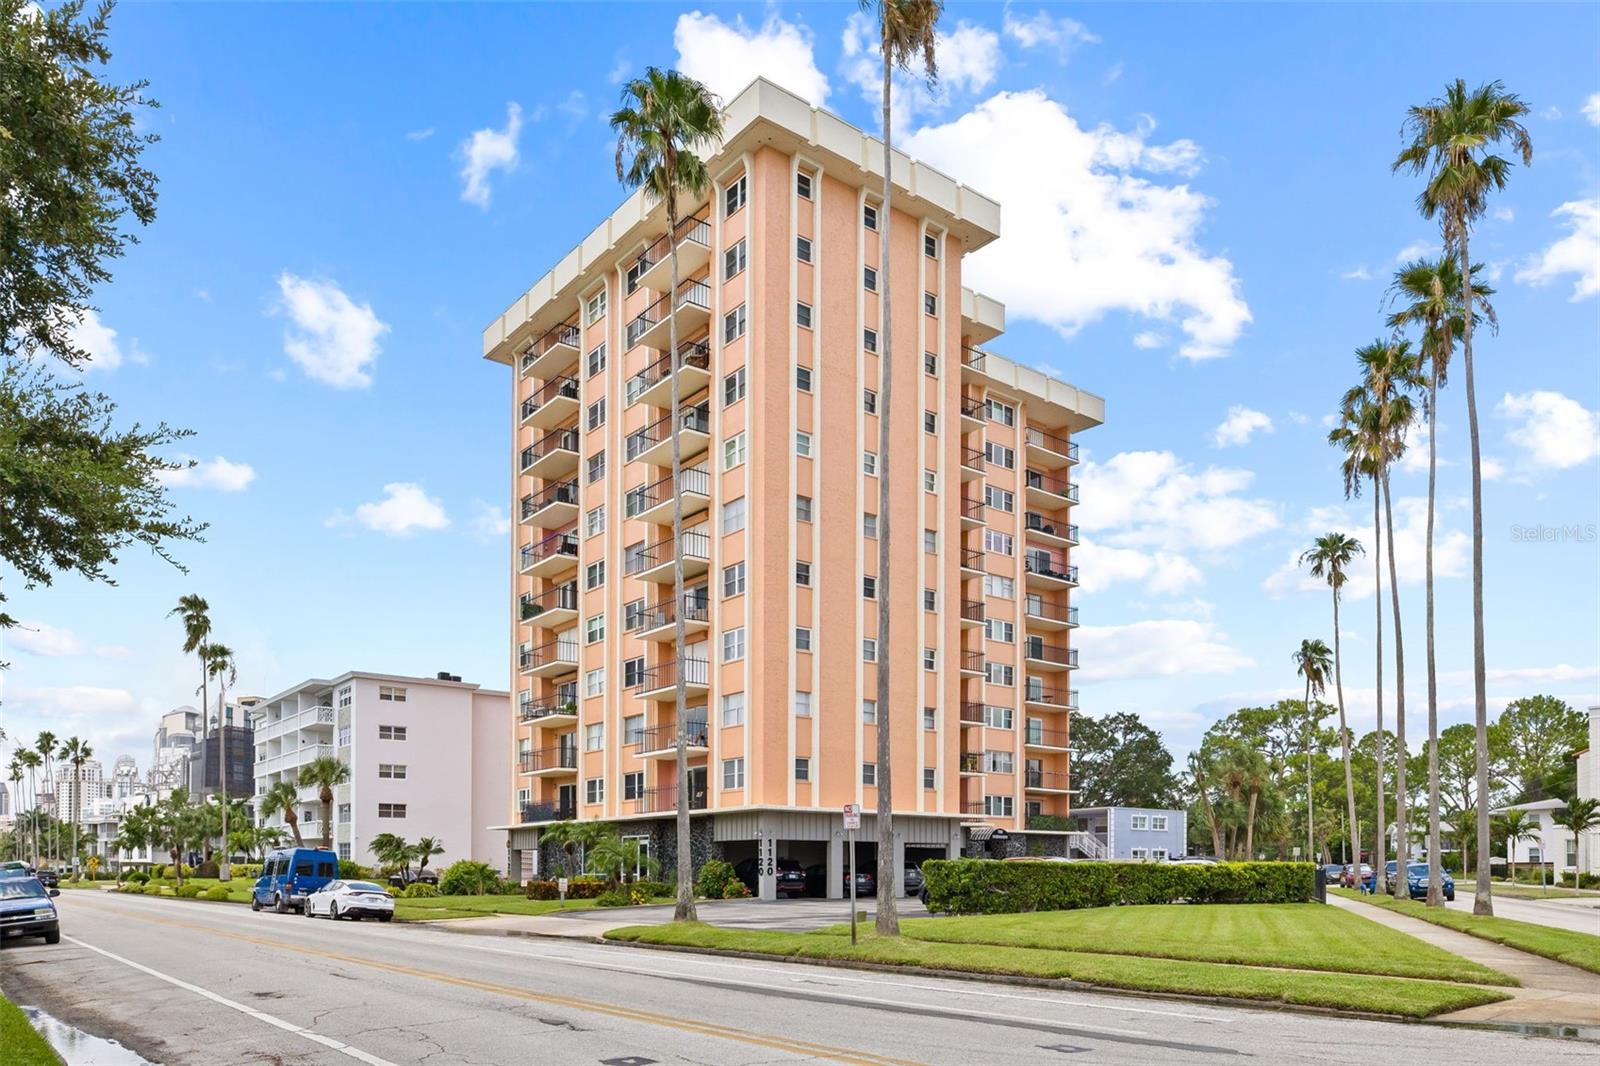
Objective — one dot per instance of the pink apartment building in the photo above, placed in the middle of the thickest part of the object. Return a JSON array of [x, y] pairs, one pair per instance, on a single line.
[[780, 367]]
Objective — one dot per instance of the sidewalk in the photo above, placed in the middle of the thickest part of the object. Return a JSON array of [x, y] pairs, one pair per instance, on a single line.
[[1552, 993], [790, 915]]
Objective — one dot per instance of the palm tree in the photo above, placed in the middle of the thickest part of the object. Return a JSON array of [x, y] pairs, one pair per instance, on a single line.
[[665, 120], [323, 774], [426, 848], [14, 775], [391, 849], [572, 837], [1430, 295], [31, 760], [1312, 662], [1517, 826], [1330, 556], [908, 33], [1581, 816], [195, 614], [76, 752], [45, 745], [282, 798], [617, 859], [1451, 137], [218, 659]]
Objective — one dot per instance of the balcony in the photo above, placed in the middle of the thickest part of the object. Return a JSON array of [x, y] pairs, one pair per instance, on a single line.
[[1051, 782], [653, 384], [1049, 656], [653, 443], [555, 402], [1042, 614], [1049, 490], [971, 513], [553, 506], [554, 657], [554, 455], [972, 713], [544, 813], [661, 742], [654, 562], [1047, 448], [659, 800], [972, 560], [1038, 695], [971, 764], [291, 759], [972, 463], [660, 682], [555, 351], [976, 809], [972, 612], [558, 710], [973, 664], [974, 413], [653, 268], [1042, 739], [974, 361], [659, 621], [1048, 569], [1040, 526], [549, 556], [653, 502], [692, 308], [553, 608], [559, 761]]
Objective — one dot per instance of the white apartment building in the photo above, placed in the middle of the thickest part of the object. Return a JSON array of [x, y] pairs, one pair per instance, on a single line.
[[79, 787], [428, 756]]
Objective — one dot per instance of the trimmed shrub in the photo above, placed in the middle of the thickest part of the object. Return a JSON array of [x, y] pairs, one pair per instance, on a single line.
[[154, 888], [466, 877], [417, 890], [139, 877], [577, 888], [655, 888], [208, 870], [188, 891], [984, 886], [216, 894], [536, 889], [614, 898], [353, 871], [717, 880], [252, 870]]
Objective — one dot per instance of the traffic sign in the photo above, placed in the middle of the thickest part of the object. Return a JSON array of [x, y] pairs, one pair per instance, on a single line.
[[852, 816]]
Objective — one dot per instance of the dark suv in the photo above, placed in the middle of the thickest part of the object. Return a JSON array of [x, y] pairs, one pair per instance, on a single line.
[[791, 877]]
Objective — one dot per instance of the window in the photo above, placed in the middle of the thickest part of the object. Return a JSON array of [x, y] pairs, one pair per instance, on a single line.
[[869, 339], [633, 672], [930, 422], [633, 785], [733, 261], [998, 585], [930, 540], [999, 629], [344, 809], [733, 388], [733, 515], [1158, 823], [391, 732], [597, 413], [869, 773], [869, 649], [802, 378], [930, 363], [594, 522], [594, 683], [802, 573], [869, 463], [802, 508], [1001, 673], [930, 777], [802, 185], [869, 401], [733, 708], [1000, 499], [802, 705], [733, 645], [869, 279], [998, 762], [869, 712], [345, 698], [869, 216], [869, 587], [802, 315], [930, 600], [869, 525], [999, 806], [802, 769], [733, 451], [997, 542], [594, 629], [594, 308], [394, 771], [635, 272], [596, 467], [997, 717], [733, 197], [802, 249], [732, 773], [594, 736], [344, 852], [930, 481], [1139, 854], [930, 658], [1138, 821], [802, 638], [999, 455], [344, 736], [733, 324], [594, 575], [597, 360], [930, 246], [733, 580], [391, 810], [1002, 413], [391, 694], [1158, 854], [594, 790], [930, 718], [802, 444], [930, 303]]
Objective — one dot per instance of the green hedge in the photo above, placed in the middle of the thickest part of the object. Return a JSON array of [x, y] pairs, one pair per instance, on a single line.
[[985, 886], [577, 888]]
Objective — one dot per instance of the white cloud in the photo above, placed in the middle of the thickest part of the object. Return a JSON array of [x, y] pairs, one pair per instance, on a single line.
[[1044, 30], [1556, 431], [1415, 250], [1241, 424], [1360, 273], [1153, 500], [335, 340], [219, 473], [1085, 235], [1159, 573], [1169, 647], [1491, 469], [419, 135], [575, 107], [1451, 548], [1577, 253], [727, 56], [42, 639], [489, 150], [1535, 676], [1591, 109], [72, 700], [490, 522], [969, 58], [100, 341], [1414, 460], [1504, 214], [1148, 339], [404, 509]]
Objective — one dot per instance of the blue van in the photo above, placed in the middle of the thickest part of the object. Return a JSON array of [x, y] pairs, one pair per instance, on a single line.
[[289, 875]]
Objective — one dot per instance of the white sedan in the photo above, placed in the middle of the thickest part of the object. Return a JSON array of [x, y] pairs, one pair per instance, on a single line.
[[351, 899]]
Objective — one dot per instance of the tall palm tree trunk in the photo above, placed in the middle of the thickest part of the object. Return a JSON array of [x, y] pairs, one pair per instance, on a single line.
[[1482, 901], [1435, 864], [683, 910], [888, 916], [224, 870], [205, 725], [1401, 830], [1380, 854], [77, 807], [1311, 848], [1344, 741]]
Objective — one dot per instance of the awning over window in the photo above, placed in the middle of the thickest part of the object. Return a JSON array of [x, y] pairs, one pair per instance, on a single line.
[[987, 832]]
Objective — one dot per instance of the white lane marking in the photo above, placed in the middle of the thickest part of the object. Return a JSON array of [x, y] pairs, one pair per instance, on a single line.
[[261, 1016]]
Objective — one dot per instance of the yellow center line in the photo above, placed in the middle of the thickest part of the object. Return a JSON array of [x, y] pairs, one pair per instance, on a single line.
[[685, 1025]]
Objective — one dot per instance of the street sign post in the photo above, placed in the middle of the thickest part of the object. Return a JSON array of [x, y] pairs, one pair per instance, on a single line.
[[561, 886], [852, 822]]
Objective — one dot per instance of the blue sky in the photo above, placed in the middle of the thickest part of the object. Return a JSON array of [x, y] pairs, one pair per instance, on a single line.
[[1200, 222]]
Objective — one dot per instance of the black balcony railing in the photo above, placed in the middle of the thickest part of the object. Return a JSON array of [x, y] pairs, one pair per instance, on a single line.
[[1036, 648], [690, 294], [975, 807], [656, 615], [975, 358], [665, 737], [566, 333], [695, 419], [564, 542], [1047, 779], [1058, 486], [561, 388], [972, 610], [560, 757], [973, 661], [562, 651], [973, 407], [696, 229], [696, 354], [1037, 607], [972, 458], [654, 800], [1046, 738], [560, 492], [641, 557], [548, 812], [637, 501], [1047, 563], [972, 558], [1038, 692], [557, 440], [1037, 522], [1050, 442], [972, 713], [972, 762], [560, 598], [972, 509], [665, 675]]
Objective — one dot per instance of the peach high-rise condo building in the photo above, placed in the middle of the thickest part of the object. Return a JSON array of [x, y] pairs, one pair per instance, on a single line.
[[779, 373]]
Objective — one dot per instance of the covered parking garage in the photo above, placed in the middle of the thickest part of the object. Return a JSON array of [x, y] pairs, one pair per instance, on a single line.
[[817, 839]]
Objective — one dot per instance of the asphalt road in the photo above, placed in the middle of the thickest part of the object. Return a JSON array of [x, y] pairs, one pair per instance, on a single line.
[[183, 983], [1579, 914]]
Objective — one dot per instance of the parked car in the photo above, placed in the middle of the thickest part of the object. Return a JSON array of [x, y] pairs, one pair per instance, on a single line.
[[414, 877], [866, 883], [1417, 882], [914, 881], [1347, 877], [26, 910], [351, 899], [1037, 858], [15, 868], [289, 875], [49, 878], [816, 883], [1331, 872], [791, 876]]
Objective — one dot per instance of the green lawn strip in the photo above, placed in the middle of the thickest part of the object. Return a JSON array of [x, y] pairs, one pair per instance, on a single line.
[[1563, 945], [20, 1042], [1535, 892], [1295, 935], [1386, 995], [430, 909]]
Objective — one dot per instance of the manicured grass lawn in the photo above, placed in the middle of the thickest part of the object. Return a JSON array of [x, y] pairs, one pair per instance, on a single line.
[[1575, 949], [1296, 935], [428, 910], [1519, 891], [20, 1043], [1386, 995]]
